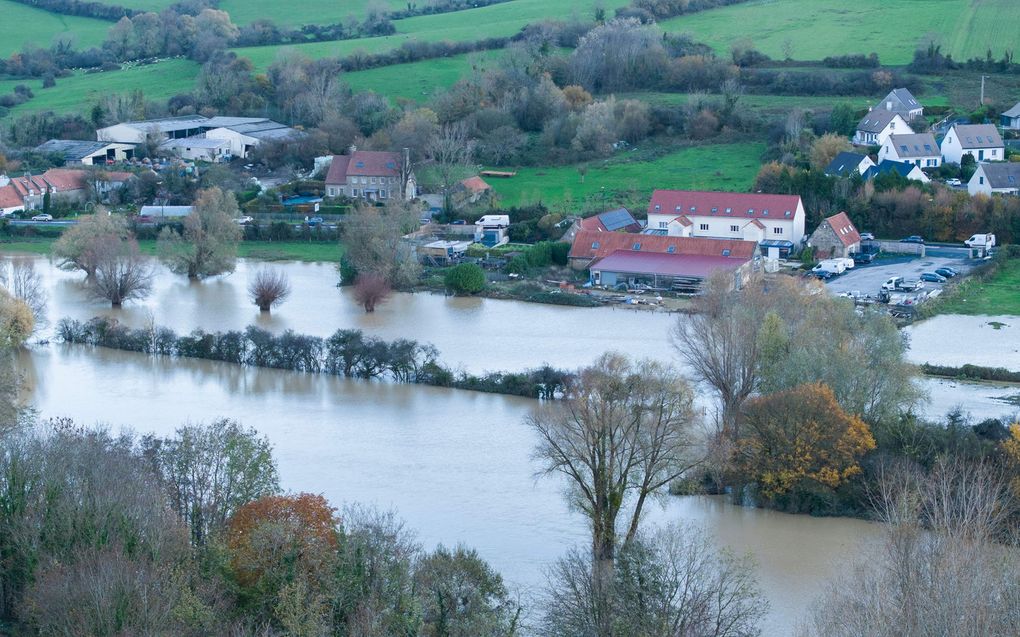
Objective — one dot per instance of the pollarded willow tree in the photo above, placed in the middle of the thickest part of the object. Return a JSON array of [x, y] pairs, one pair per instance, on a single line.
[[269, 288], [208, 245]]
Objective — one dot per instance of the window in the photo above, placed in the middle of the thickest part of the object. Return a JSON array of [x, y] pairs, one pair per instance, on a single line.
[[354, 193], [373, 180], [382, 194], [734, 228], [594, 245], [636, 246], [663, 224], [903, 147], [981, 180], [671, 250], [726, 252], [703, 226], [658, 207], [715, 210], [777, 231]]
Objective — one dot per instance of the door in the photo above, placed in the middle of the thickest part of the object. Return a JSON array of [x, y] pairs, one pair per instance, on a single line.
[[981, 155]]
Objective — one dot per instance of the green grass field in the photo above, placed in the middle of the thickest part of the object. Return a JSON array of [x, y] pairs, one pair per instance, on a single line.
[[77, 93], [630, 182], [305, 12], [497, 20], [813, 29], [22, 26], [998, 295], [261, 250], [419, 81], [761, 103]]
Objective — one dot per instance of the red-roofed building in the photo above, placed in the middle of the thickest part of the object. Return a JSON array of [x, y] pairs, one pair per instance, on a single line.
[[836, 236], [661, 262], [372, 175], [470, 191], [727, 215], [28, 191]]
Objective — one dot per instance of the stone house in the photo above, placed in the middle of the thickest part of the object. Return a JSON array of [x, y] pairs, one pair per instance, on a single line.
[[836, 236], [371, 175]]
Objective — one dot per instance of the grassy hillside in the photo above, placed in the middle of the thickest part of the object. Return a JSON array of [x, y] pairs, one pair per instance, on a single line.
[[891, 28], [304, 12], [21, 25], [419, 81], [631, 181], [497, 20], [141, 5], [77, 93]]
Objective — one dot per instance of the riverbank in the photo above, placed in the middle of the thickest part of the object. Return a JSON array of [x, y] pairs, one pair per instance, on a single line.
[[304, 251], [992, 289]]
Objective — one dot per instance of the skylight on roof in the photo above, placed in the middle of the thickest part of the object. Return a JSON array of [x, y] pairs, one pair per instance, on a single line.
[[729, 211], [715, 210], [788, 213], [636, 246], [359, 164], [726, 252], [658, 207], [671, 249]]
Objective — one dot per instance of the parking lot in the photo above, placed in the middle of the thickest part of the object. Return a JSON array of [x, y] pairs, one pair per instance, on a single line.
[[868, 279]]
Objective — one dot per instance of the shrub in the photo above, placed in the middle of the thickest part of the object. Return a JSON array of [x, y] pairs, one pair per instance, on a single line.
[[466, 278]]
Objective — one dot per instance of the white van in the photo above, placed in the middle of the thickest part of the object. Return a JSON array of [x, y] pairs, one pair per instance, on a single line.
[[986, 241], [836, 266]]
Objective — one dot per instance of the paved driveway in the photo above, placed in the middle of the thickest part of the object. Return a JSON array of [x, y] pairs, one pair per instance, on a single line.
[[868, 279]]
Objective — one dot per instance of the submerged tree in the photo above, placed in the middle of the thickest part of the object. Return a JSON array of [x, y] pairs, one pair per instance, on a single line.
[[622, 433], [208, 245], [25, 284], [374, 238], [269, 288], [16, 321], [76, 247], [121, 273], [370, 290]]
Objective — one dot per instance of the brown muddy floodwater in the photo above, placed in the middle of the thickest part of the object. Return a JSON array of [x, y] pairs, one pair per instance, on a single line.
[[455, 465]]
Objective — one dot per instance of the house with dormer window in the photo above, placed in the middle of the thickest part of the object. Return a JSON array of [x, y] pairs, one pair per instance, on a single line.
[[727, 215], [919, 149], [980, 141], [876, 127], [371, 175], [902, 102]]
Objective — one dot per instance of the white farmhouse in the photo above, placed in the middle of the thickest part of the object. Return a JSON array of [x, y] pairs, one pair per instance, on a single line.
[[902, 102], [727, 215], [919, 149], [878, 125], [1002, 178], [980, 141]]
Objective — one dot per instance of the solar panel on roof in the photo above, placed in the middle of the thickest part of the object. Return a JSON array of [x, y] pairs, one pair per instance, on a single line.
[[615, 219]]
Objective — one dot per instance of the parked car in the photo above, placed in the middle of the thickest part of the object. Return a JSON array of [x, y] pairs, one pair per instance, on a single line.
[[946, 272], [955, 183], [933, 277], [823, 275], [912, 239], [43, 217], [314, 221], [243, 220], [457, 222], [867, 236], [863, 258], [986, 241]]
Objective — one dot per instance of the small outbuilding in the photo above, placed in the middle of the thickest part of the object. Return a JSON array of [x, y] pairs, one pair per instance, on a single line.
[[836, 236]]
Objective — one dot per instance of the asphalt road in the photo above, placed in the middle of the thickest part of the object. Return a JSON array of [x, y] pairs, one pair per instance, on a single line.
[[868, 279]]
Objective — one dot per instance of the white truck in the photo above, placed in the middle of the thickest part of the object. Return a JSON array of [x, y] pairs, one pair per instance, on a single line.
[[986, 241], [899, 284]]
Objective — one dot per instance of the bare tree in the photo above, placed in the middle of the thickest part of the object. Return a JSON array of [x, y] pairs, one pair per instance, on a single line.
[[622, 432], [122, 273], [24, 283], [269, 288], [370, 290], [450, 152], [670, 583], [941, 569], [719, 342]]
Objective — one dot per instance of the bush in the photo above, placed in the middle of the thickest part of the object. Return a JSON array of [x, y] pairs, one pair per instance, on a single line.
[[466, 278]]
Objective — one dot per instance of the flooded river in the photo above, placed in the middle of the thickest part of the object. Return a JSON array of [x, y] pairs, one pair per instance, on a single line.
[[455, 465]]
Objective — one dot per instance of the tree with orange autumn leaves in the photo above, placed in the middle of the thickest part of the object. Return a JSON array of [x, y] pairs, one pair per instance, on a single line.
[[279, 542], [800, 435]]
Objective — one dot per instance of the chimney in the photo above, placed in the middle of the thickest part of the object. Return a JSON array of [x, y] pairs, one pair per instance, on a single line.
[[353, 149], [4, 180]]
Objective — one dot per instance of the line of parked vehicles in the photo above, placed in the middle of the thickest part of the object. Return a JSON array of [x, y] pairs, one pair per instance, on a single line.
[[829, 268]]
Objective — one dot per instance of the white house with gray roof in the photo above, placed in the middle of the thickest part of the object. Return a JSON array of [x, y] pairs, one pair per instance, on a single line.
[[901, 102], [1002, 178], [981, 141], [919, 149], [85, 153], [878, 125], [1011, 119]]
